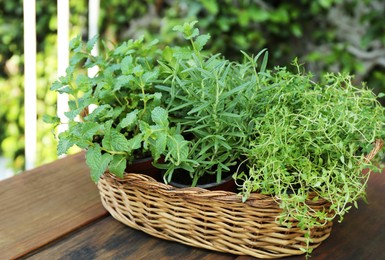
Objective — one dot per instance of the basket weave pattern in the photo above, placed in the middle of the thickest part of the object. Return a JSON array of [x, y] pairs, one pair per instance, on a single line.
[[215, 220]]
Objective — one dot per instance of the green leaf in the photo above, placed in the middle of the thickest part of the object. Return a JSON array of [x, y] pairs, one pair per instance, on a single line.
[[123, 81], [97, 161], [56, 85], [127, 65], [178, 148], [86, 130], [65, 142], [201, 41], [130, 120], [135, 142], [76, 58], [115, 141], [182, 53], [73, 113], [160, 116], [264, 62], [118, 165], [76, 44], [51, 119], [159, 145], [167, 53], [91, 43], [83, 82], [187, 30], [138, 70], [149, 76], [101, 112]]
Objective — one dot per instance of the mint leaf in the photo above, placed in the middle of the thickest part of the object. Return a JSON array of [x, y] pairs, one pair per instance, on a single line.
[[115, 141], [160, 116], [118, 165], [97, 161], [187, 30], [135, 142], [73, 113], [149, 76], [101, 112], [182, 53], [122, 81], [167, 53], [127, 65], [51, 119], [178, 148], [130, 120], [76, 59], [83, 82], [76, 44], [201, 41], [56, 85], [65, 142], [159, 145], [86, 130], [91, 43]]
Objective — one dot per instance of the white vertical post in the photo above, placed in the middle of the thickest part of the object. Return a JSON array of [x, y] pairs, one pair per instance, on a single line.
[[93, 29], [63, 56], [93, 18], [29, 16]]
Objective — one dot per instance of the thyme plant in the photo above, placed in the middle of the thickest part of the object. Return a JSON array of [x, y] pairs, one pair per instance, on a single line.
[[311, 138]]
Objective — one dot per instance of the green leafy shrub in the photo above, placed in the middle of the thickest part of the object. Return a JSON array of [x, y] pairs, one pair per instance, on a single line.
[[311, 138], [128, 122], [207, 98]]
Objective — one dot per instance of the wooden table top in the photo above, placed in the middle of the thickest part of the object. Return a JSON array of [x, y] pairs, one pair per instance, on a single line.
[[54, 211]]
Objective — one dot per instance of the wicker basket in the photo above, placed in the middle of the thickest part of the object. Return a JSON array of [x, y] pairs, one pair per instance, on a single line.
[[215, 220]]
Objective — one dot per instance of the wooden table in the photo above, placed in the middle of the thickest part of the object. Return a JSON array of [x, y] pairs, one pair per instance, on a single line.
[[54, 211]]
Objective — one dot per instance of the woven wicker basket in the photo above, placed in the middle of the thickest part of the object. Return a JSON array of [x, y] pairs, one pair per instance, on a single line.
[[215, 220]]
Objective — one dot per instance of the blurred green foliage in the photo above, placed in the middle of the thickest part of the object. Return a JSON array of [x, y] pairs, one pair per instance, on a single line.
[[326, 35]]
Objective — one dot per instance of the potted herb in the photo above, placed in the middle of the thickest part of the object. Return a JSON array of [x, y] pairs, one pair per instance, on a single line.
[[207, 96], [299, 142], [129, 121], [310, 141], [174, 103]]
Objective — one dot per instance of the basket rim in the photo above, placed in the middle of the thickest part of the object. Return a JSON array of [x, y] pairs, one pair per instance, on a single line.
[[142, 180], [226, 196]]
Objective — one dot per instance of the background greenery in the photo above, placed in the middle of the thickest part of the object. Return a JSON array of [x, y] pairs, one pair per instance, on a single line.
[[326, 35]]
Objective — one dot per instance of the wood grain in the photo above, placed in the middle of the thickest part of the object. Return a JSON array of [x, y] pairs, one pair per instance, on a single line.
[[109, 239], [43, 204]]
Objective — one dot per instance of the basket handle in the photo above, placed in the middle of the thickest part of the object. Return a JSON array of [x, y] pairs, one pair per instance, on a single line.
[[377, 147]]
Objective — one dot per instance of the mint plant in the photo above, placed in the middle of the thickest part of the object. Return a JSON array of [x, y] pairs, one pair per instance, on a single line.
[[129, 121]]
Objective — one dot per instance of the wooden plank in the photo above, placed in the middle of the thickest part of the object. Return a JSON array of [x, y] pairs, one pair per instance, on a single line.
[[109, 239], [46, 203]]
